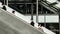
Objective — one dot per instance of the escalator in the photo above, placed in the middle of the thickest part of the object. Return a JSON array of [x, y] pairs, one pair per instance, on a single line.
[[49, 7], [45, 29], [27, 20], [11, 24]]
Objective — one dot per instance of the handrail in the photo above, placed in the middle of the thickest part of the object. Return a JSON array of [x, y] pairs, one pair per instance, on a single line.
[[54, 8], [51, 7]]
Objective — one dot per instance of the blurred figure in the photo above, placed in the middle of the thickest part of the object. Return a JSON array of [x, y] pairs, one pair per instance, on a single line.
[[39, 26], [13, 12], [4, 7], [32, 23], [36, 25]]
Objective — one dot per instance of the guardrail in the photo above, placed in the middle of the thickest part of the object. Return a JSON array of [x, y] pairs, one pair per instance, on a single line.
[[46, 18]]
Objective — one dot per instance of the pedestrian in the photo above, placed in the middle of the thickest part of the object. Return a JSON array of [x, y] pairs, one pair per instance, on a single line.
[[13, 12], [4, 7], [39, 26], [32, 23]]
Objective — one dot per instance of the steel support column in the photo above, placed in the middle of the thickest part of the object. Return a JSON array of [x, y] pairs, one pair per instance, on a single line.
[[7, 2], [36, 11], [32, 12]]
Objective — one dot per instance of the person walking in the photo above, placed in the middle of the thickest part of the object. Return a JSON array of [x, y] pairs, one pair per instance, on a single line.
[[13, 12], [32, 23], [4, 7]]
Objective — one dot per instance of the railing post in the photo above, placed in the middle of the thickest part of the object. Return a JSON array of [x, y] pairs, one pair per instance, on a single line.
[[32, 12], [4, 2], [36, 11], [7, 2]]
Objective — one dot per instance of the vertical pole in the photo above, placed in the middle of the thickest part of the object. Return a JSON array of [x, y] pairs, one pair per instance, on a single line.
[[32, 12], [4, 2], [45, 20], [59, 23], [7, 2], [36, 11], [41, 9]]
